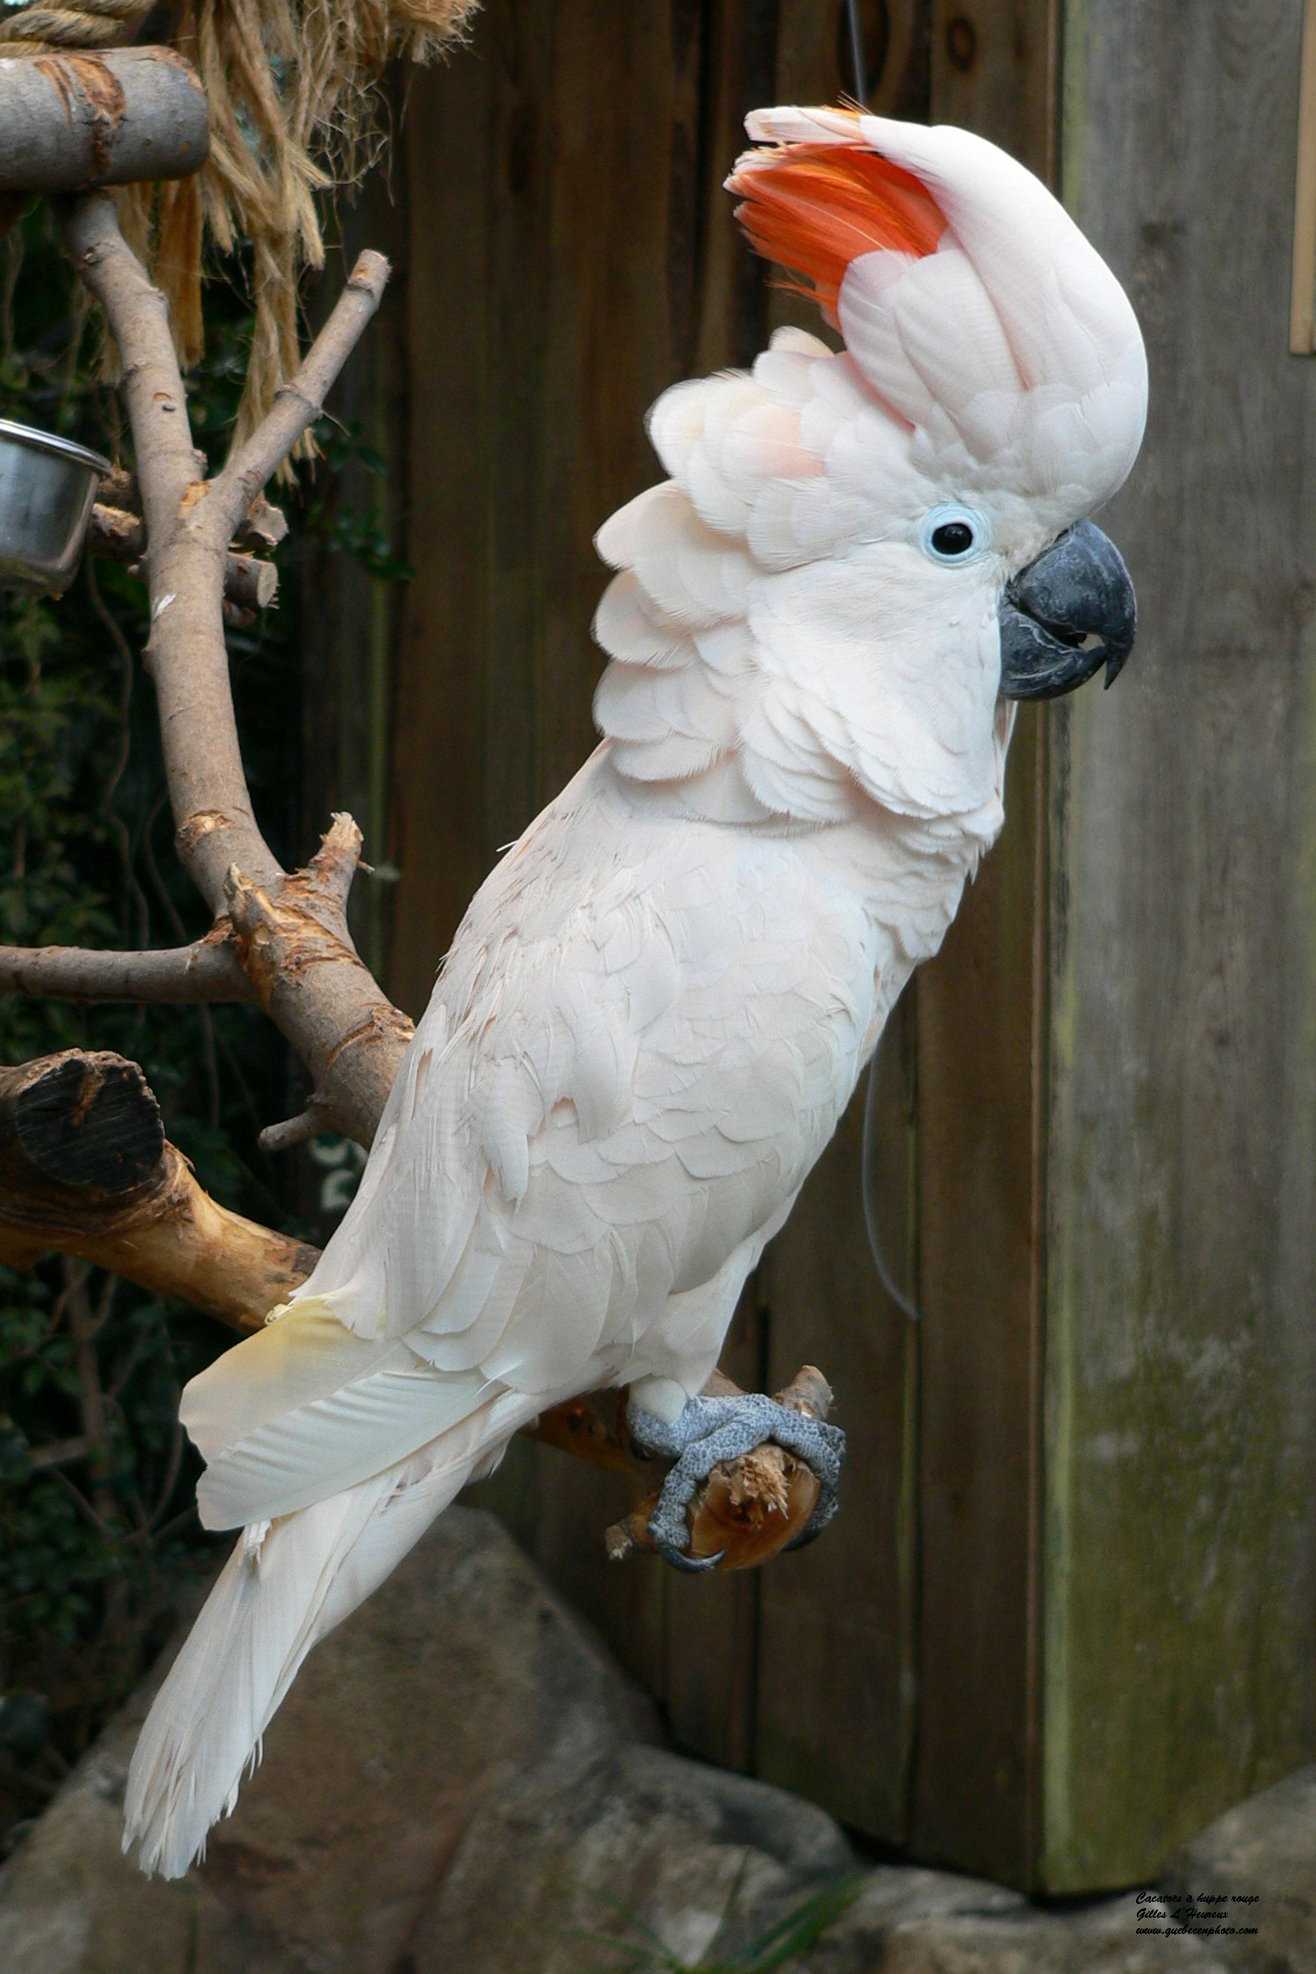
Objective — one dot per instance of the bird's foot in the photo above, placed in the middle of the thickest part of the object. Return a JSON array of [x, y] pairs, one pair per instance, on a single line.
[[711, 1431]]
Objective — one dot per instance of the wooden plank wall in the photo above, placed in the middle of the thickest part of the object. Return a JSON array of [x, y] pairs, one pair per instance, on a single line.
[[981, 1184], [571, 165], [1066, 1614], [1180, 1530]]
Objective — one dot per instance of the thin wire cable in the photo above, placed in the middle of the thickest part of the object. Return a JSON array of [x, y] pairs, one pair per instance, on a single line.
[[868, 1163], [857, 52], [868, 1183]]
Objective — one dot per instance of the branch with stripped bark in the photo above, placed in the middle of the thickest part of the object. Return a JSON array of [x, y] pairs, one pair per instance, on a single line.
[[84, 1164]]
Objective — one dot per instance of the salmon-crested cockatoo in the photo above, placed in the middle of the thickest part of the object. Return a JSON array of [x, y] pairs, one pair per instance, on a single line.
[[659, 1002]]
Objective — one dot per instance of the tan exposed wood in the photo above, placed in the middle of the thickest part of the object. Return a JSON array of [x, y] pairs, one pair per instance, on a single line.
[[249, 583], [85, 1168], [1302, 299]]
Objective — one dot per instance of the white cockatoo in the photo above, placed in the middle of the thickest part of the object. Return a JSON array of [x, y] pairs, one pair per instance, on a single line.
[[659, 1002]]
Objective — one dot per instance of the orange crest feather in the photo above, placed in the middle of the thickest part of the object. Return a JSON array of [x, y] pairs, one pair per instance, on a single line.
[[813, 208]]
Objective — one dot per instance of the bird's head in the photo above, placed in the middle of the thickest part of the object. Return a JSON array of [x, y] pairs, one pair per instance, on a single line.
[[1006, 367]]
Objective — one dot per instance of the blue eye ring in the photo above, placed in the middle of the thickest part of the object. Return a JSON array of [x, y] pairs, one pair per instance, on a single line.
[[953, 534]]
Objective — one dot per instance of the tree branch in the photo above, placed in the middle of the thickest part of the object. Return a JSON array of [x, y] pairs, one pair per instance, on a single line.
[[85, 1168], [351, 1038], [185, 571], [114, 117], [300, 402], [206, 971], [290, 932]]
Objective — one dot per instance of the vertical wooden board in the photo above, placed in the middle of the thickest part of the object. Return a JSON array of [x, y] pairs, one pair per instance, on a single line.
[[980, 1178], [350, 617], [719, 292], [622, 111], [624, 103], [836, 1672], [605, 277], [437, 833], [1181, 1356], [712, 1649], [978, 1207], [537, 340], [995, 69]]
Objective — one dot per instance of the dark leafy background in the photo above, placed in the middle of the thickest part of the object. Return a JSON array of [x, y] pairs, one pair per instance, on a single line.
[[97, 1529]]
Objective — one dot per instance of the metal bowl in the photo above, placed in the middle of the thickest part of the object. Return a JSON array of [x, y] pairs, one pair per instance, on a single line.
[[47, 487]]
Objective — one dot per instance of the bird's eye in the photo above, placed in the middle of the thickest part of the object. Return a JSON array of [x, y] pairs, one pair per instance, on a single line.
[[953, 538], [954, 534]]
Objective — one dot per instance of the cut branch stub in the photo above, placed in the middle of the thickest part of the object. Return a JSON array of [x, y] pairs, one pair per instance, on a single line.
[[77, 1120], [85, 1167], [117, 117], [249, 583]]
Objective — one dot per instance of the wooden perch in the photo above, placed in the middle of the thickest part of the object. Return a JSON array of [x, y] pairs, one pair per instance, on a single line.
[[206, 971], [68, 121], [85, 1167], [750, 1508]]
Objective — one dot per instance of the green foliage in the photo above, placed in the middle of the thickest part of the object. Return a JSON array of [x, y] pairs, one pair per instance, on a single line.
[[783, 1945], [363, 534]]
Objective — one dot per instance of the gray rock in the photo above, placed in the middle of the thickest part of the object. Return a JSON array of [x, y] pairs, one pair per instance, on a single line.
[[1265, 1849], [1102, 1940], [660, 1845], [459, 1777], [461, 1782]]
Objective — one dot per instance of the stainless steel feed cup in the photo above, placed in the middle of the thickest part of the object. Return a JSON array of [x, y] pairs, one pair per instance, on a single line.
[[47, 487]]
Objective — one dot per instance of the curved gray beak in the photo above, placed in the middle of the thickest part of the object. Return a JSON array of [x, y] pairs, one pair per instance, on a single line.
[[1065, 616]]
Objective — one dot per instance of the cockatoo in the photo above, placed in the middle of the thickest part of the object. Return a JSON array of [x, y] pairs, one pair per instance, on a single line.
[[660, 1000]]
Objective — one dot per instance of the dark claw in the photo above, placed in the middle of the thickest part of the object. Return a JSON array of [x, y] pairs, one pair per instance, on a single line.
[[816, 1523], [679, 1560]]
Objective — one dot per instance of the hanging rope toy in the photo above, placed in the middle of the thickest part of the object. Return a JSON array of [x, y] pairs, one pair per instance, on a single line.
[[290, 89]]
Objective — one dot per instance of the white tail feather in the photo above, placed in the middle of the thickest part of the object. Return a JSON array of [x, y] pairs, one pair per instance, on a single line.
[[278, 1594]]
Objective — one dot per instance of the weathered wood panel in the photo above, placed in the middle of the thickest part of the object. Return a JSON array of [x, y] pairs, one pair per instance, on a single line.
[[1181, 1351], [980, 1013], [1096, 1125], [350, 620]]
